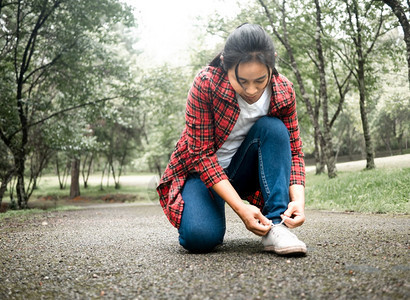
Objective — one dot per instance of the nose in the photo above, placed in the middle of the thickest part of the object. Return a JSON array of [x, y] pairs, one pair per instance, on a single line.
[[251, 90]]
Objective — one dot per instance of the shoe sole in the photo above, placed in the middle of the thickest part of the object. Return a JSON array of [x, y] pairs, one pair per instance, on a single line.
[[286, 251]]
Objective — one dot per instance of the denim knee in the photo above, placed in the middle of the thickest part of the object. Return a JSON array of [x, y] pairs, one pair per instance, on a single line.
[[273, 127], [201, 239]]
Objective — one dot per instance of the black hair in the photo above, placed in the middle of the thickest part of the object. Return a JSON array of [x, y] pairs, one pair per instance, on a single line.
[[247, 43]]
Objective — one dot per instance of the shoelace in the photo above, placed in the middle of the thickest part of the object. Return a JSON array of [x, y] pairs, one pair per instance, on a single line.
[[281, 222]]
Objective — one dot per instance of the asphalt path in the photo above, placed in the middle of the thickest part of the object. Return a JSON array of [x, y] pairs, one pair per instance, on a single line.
[[123, 251], [151, 181]]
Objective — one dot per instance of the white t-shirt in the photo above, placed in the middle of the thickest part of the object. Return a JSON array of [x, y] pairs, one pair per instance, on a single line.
[[249, 114]]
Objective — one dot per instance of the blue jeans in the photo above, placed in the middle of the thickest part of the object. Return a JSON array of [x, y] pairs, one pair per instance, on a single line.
[[262, 161]]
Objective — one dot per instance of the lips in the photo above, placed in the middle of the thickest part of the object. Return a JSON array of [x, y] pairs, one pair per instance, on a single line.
[[251, 99]]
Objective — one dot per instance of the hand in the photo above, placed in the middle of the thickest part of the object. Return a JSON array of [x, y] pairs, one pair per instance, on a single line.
[[254, 220], [250, 215], [294, 216]]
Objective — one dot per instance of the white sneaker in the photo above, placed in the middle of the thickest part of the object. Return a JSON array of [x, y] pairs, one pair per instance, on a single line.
[[281, 241]]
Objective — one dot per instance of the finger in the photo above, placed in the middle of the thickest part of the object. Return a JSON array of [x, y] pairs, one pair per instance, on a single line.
[[260, 229], [295, 221], [289, 212], [264, 220]]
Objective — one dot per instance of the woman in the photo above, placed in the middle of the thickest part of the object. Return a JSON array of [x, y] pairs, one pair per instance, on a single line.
[[241, 141]]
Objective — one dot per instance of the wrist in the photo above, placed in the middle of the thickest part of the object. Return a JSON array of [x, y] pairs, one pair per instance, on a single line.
[[297, 193], [238, 206]]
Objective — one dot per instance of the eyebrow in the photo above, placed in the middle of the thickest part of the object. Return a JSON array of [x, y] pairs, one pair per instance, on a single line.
[[260, 78]]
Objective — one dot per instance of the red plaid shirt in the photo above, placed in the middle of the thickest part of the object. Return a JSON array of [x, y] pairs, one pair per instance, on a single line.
[[211, 113]]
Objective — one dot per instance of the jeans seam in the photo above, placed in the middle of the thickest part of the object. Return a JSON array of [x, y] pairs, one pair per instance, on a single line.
[[256, 140], [262, 172]]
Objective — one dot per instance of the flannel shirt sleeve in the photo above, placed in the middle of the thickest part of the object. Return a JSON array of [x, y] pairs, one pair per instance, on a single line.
[[290, 119], [200, 132]]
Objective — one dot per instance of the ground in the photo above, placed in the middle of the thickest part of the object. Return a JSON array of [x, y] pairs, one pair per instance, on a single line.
[[130, 251]]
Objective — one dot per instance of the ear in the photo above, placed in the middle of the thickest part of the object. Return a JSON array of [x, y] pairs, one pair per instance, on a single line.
[[222, 63]]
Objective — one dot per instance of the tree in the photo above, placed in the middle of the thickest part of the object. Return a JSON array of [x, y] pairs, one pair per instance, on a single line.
[[161, 118], [119, 135], [39, 85], [300, 44], [75, 176], [392, 113], [364, 27], [400, 11], [6, 169]]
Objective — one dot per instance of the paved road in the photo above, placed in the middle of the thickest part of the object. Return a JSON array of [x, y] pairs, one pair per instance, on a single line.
[[397, 161], [131, 252]]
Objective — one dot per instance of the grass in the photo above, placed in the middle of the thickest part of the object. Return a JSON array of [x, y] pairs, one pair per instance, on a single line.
[[49, 196], [374, 191], [49, 187], [377, 191]]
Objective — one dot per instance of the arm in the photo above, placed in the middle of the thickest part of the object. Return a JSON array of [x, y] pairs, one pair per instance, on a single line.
[[200, 131], [294, 216], [251, 216]]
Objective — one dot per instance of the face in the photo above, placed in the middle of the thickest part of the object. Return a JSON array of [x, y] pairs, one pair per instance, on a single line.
[[252, 80]]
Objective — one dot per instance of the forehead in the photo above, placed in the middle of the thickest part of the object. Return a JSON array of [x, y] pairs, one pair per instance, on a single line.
[[252, 70]]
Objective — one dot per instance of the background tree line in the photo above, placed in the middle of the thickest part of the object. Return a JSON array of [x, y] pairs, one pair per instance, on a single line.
[[344, 57], [76, 97]]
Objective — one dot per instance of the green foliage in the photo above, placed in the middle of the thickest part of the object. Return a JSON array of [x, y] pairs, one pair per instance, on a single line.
[[338, 36], [376, 191], [56, 61], [162, 113], [392, 114]]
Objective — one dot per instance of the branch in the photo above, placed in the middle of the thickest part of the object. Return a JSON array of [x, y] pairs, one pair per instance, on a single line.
[[271, 22], [17, 40], [63, 111], [342, 93], [43, 67], [4, 138], [344, 59], [313, 60], [284, 61], [29, 50], [350, 22], [376, 35], [6, 4]]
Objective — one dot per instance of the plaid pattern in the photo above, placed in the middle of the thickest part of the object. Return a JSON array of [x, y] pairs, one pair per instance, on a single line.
[[211, 113]]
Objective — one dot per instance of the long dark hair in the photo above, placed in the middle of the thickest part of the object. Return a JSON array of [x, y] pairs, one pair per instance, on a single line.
[[247, 43]]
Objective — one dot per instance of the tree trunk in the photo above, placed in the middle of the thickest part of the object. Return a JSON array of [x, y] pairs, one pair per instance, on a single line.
[[362, 53], [102, 176], [3, 189], [86, 170], [60, 182], [75, 178], [327, 143], [305, 96], [363, 114], [4, 182], [22, 198], [116, 180], [320, 166]]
